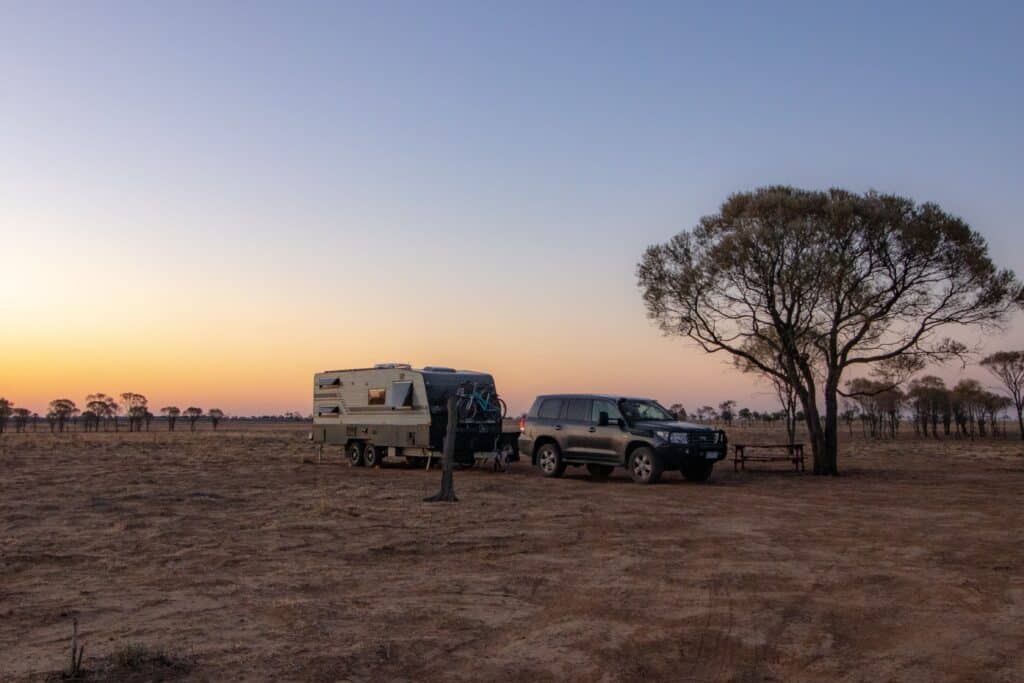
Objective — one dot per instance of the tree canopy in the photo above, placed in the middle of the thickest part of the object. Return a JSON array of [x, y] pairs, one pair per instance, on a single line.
[[1008, 368]]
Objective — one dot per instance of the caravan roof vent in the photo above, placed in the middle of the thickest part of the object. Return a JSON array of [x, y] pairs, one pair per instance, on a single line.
[[388, 366], [437, 368]]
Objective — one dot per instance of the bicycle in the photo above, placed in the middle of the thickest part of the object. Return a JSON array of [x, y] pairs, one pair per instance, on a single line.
[[473, 403]]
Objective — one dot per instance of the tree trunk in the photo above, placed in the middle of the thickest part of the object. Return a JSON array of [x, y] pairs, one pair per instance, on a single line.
[[447, 492], [1020, 421], [824, 438]]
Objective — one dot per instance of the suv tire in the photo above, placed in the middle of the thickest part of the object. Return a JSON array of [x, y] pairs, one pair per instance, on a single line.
[[355, 454], [697, 471], [645, 466], [600, 471], [549, 460]]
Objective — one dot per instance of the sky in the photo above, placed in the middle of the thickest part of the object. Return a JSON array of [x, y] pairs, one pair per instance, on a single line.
[[208, 202]]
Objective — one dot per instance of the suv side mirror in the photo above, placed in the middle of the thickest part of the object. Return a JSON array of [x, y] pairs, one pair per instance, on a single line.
[[602, 419]]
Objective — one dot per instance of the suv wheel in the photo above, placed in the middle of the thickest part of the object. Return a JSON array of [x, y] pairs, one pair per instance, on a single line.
[[549, 460], [697, 471], [355, 454], [600, 471], [645, 466], [372, 455]]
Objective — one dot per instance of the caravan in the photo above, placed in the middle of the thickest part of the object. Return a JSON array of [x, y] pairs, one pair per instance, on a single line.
[[395, 410]]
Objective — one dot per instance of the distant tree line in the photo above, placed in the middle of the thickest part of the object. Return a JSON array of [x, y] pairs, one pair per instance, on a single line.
[[102, 412], [881, 406], [967, 409]]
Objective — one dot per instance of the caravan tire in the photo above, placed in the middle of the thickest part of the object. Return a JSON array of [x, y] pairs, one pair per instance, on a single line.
[[372, 455], [355, 454]]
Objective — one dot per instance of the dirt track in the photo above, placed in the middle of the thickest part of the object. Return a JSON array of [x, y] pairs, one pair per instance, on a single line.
[[229, 549]]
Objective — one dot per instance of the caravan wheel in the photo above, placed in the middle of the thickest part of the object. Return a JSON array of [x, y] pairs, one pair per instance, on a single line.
[[372, 455], [355, 454]]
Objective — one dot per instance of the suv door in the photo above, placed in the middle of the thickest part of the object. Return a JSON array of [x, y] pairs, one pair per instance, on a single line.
[[604, 443], [576, 426], [548, 421]]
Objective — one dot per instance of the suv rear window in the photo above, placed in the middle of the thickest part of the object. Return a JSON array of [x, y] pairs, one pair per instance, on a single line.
[[550, 408], [579, 410]]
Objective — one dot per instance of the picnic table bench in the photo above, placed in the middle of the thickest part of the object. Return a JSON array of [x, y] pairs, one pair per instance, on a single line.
[[793, 452]]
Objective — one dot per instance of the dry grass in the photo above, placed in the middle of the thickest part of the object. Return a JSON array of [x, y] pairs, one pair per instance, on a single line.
[[230, 547]]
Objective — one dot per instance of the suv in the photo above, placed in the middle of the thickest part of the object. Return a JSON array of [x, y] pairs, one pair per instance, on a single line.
[[605, 432]]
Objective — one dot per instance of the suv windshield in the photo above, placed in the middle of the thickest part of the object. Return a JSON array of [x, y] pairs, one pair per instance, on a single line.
[[637, 411]]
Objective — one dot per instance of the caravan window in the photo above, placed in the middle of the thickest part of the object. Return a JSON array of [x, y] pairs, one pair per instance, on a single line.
[[375, 397], [400, 395]]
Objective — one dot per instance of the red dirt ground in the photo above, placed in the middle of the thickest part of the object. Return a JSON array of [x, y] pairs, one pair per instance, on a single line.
[[235, 554]]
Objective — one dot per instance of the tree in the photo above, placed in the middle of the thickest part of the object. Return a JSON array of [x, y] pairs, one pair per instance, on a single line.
[[193, 414], [784, 391], [849, 414], [90, 420], [172, 413], [929, 397], [992, 404], [725, 409], [1008, 368], [967, 400], [826, 282], [21, 416], [215, 415], [61, 411], [745, 415], [6, 410], [678, 410], [135, 408], [103, 406]]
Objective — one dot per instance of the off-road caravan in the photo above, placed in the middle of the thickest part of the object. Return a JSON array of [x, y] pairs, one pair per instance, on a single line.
[[394, 410]]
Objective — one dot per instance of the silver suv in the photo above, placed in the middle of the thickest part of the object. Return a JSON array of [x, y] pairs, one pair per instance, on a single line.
[[605, 432]]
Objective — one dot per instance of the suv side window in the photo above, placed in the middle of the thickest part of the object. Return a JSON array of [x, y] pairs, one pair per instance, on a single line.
[[550, 409], [603, 406], [578, 410]]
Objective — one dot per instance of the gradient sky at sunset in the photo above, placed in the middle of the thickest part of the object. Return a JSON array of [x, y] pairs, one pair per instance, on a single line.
[[208, 203]]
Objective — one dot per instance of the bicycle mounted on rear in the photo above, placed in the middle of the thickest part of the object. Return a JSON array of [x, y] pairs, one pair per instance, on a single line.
[[479, 404]]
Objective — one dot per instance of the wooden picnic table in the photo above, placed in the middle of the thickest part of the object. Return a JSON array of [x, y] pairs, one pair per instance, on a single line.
[[794, 453]]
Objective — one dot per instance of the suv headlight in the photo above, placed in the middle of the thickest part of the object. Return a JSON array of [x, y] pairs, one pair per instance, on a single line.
[[661, 434], [680, 437]]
